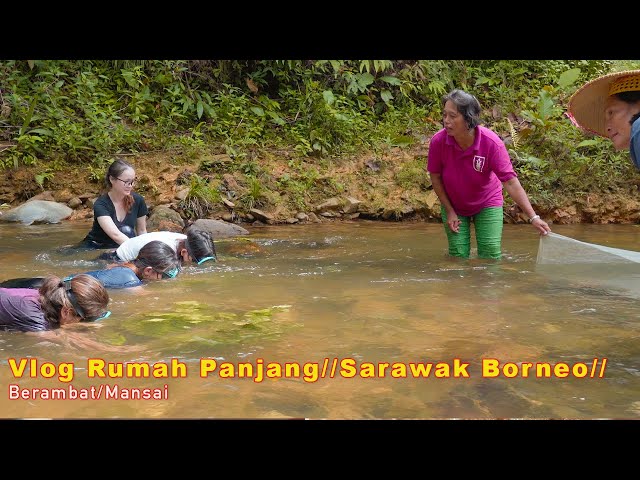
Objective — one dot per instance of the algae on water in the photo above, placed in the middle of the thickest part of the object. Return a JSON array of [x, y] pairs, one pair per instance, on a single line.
[[192, 321]]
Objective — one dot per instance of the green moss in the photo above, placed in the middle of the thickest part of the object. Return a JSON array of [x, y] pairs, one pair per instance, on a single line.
[[191, 321]]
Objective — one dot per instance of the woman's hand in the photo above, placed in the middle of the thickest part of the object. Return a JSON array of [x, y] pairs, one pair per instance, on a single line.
[[109, 227], [541, 226], [453, 221]]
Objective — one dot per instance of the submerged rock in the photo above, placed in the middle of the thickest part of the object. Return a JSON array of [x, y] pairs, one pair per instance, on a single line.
[[37, 211]]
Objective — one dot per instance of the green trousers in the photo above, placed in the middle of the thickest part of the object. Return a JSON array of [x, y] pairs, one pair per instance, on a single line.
[[488, 224]]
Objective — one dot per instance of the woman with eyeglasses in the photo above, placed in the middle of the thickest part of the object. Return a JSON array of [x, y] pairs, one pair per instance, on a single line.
[[120, 213], [155, 261], [55, 304]]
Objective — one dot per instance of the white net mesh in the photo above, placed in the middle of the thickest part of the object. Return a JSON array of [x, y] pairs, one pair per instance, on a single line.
[[558, 249], [588, 265]]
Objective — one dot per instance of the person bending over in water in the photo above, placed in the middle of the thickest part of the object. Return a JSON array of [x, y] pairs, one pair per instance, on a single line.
[[55, 304], [194, 246], [155, 261]]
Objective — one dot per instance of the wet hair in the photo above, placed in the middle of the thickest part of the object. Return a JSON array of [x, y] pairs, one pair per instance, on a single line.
[[89, 294], [466, 104], [159, 256], [116, 169], [199, 245]]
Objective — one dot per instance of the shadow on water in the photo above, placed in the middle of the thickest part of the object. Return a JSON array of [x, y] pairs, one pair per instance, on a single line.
[[365, 294]]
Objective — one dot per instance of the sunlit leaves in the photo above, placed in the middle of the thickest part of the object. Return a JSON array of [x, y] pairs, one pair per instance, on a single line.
[[568, 78], [587, 143], [328, 97], [391, 80]]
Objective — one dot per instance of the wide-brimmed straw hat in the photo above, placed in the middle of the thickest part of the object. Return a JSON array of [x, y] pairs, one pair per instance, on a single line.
[[586, 105]]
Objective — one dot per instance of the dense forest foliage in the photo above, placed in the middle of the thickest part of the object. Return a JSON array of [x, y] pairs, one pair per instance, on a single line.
[[57, 113]]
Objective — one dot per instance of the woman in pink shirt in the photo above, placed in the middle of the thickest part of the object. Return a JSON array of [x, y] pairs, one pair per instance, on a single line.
[[468, 165]]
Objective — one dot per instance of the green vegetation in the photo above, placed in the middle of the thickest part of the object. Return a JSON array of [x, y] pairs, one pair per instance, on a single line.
[[194, 322], [321, 113], [201, 198]]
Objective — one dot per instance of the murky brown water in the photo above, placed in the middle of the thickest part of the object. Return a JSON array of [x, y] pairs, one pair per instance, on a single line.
[[363, 294]]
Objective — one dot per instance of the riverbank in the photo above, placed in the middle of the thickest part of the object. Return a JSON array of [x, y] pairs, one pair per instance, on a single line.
[[277, 187]]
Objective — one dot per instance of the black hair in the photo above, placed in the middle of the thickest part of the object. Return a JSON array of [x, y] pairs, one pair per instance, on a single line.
[[629, 97], [199, 244], [157, 255], [466, 104]]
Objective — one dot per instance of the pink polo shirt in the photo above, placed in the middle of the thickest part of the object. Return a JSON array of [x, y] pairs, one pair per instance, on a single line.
[[472, 178]]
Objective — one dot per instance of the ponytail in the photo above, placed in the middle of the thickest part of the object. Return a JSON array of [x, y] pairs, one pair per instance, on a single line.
[[87, 296]]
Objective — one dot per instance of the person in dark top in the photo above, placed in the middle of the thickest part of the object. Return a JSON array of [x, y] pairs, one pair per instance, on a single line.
[[120, 213], [55, 304], [155, 261]]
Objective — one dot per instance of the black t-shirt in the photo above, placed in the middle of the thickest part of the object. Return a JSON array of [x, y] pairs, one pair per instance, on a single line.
[[104, 206]]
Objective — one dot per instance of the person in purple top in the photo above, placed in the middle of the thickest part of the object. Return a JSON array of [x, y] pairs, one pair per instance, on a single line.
[[55, 304], [468, 165]]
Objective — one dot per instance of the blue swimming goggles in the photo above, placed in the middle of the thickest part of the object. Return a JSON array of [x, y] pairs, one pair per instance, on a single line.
[[173, 273], [202, 260], [74, 302]]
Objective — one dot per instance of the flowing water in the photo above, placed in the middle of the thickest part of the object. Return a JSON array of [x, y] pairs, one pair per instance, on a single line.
[[337, 321]]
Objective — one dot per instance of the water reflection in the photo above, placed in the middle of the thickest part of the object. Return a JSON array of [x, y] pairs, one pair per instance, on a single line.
[[372, 292]]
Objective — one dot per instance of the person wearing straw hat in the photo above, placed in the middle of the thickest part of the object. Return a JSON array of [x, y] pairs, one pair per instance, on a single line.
[[609, 106], [468, 165]]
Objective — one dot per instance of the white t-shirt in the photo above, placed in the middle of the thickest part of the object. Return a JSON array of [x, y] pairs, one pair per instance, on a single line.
[[128, 250]]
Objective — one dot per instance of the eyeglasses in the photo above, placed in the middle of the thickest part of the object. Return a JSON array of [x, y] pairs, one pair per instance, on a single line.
[[74, 302], [127, 183]]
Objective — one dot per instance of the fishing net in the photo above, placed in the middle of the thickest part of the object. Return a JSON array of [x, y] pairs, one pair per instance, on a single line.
[[589, 265], [558, 249]]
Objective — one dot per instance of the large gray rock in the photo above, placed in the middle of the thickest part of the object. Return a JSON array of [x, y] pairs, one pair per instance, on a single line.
[[219, 229], [160, 214], [37, 211]]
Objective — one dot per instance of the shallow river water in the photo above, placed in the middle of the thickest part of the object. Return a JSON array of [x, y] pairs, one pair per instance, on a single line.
[[360, 320]]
